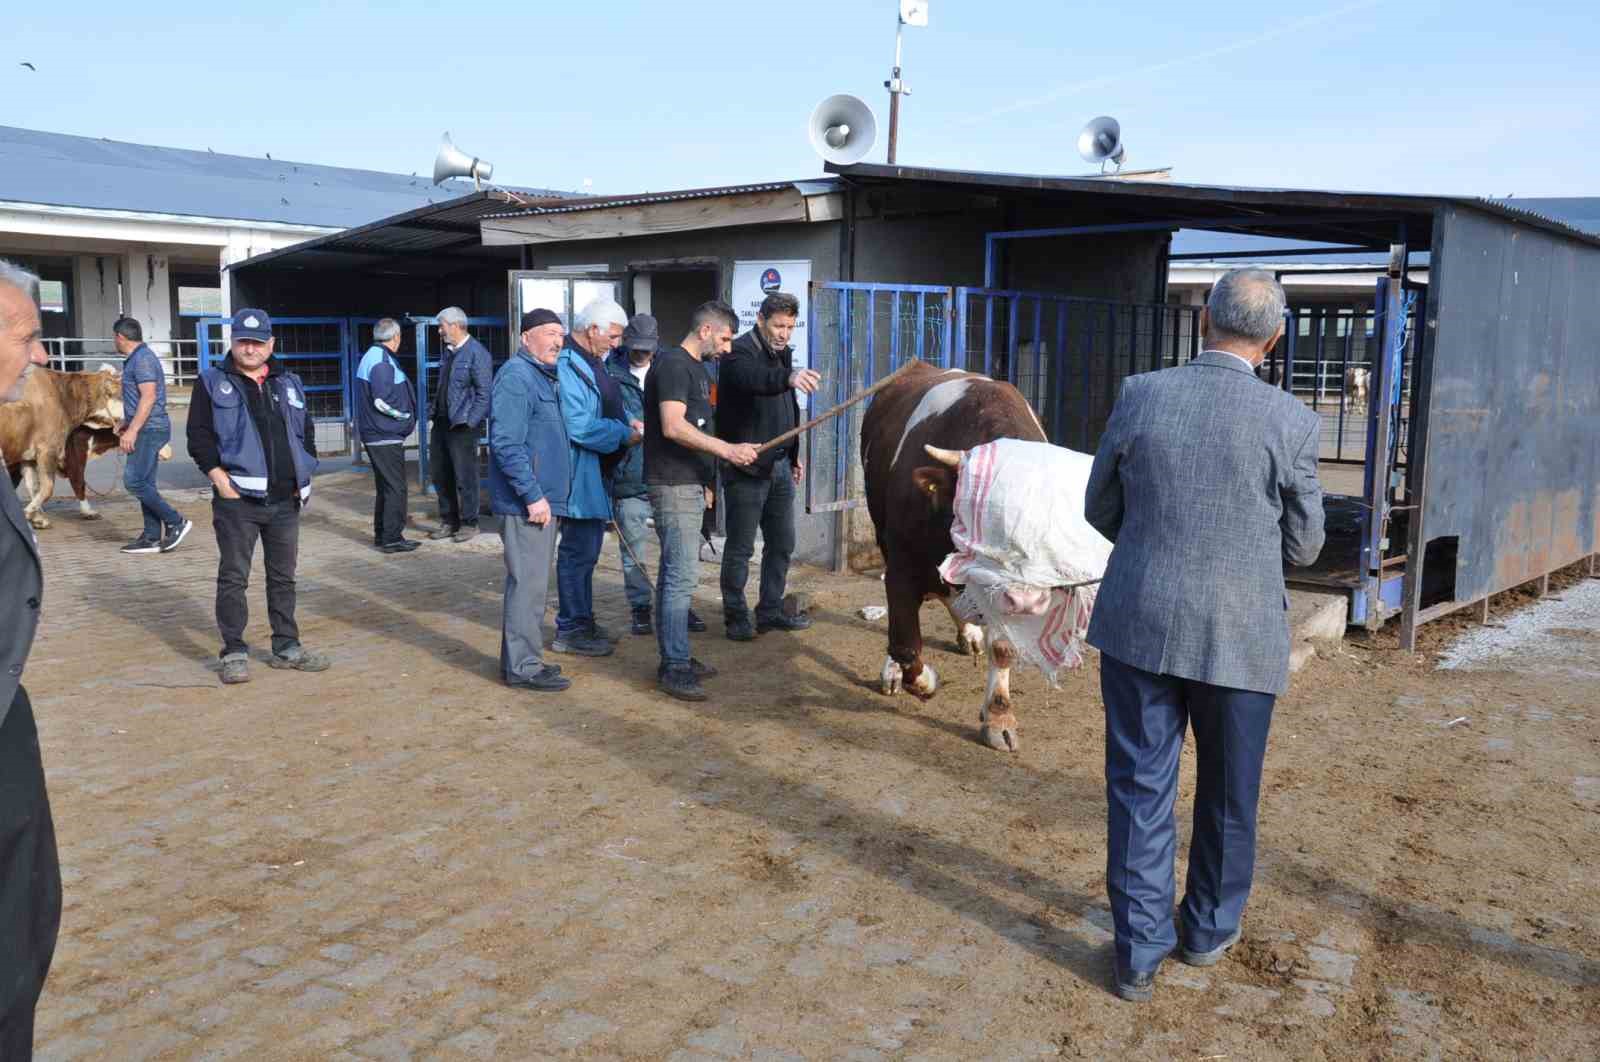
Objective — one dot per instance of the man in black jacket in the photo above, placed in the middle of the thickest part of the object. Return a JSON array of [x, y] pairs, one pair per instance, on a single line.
[[756, 401], [252, 433]]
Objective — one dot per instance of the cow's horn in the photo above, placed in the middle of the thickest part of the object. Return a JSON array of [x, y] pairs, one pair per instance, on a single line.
[[943, 456]]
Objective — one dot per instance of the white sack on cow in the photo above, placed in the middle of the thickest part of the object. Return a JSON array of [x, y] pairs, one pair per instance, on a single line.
[[1020, 538]]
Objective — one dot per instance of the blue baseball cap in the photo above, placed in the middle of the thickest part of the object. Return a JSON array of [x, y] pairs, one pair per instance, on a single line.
[[252, 324]]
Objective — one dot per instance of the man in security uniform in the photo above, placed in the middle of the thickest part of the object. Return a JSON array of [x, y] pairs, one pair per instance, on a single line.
[[30, 876], [252, 435]]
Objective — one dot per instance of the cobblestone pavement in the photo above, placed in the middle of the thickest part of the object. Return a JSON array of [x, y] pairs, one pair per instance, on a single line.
[[401, 858]]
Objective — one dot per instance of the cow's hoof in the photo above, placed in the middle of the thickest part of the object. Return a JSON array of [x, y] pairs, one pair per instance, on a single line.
[[39, 520], [88, 514], [889, 680], [970, 640], [926, 684], [1000, 733]]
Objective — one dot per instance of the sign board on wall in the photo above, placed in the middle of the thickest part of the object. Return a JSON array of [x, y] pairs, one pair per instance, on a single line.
[[755, 280]]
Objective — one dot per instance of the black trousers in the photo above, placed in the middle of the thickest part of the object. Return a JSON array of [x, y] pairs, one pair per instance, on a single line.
[[453, 464], [30, 879], [238, 523], [388, 462]]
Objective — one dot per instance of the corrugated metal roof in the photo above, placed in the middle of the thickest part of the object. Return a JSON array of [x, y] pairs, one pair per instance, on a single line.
[[816, 186], [55, 169]]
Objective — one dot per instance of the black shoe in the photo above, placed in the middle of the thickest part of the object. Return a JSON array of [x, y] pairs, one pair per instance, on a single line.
[[547, 679], [739, 630], [1136, 986], [641, 621], [142, 545], [701, 669], [1208, 958], [696, 624], [439, 534], [597, 631], [175, 535], [780, 622], [404, 545], [681, 683], [581, 643]]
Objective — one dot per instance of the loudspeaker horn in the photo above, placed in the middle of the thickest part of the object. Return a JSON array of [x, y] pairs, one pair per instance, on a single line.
[[453, 162], [842, 129], [1101, 141]]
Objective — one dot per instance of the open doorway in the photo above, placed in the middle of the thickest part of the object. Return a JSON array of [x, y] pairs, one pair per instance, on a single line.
[[670, 293]]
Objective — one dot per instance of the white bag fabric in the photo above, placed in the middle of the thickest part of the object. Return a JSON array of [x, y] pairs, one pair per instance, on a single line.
[[1021, 541]]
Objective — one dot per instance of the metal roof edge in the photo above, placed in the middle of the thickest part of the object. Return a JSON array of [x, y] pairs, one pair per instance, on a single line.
[[814, 186]]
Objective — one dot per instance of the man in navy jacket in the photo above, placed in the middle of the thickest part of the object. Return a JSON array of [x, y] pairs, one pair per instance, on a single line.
[[460, 404], [530, 482], [386, 411]]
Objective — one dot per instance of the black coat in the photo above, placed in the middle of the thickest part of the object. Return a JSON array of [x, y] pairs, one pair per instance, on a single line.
[[755, 402]]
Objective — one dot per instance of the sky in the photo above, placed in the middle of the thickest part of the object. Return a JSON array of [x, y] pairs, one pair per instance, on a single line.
[[1434, 96]]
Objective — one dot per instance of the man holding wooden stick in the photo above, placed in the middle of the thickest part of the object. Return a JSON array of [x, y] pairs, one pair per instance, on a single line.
[[758, 387]]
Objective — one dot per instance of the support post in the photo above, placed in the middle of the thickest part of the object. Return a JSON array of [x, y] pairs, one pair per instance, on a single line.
[[1378, 492]]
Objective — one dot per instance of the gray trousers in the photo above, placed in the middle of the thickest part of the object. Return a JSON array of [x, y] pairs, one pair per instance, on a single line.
[[529, 553]]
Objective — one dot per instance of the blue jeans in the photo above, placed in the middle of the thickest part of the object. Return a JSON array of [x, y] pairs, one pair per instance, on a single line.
[[139, 477], [575, 560], [678, 510], [631, 516], [765, 502], [1146, 716]]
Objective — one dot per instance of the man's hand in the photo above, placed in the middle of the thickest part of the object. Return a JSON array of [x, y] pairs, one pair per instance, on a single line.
[[126, 441], [711, 496], [805, 380], [740, 454], [638, 433], [539, 512], [222, 485], [798, 472]]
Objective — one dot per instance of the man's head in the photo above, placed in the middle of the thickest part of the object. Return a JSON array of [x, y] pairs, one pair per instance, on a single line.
[[20, 331], [1244, 314], [640, 339], [711, 329], [252, 342], [453, 325], [542, 335], [386, 333], [776, 319], [598, 327], [127, 334]]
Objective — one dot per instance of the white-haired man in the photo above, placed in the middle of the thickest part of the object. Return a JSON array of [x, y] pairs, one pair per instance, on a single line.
[[30, 876], [460, 406], [598, 430]]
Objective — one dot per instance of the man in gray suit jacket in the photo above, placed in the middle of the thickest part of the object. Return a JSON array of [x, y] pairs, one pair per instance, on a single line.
[[30, 876], [1206, 482]]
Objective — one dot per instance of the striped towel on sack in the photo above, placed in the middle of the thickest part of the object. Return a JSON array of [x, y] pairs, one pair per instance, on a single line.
[[1020, 539]]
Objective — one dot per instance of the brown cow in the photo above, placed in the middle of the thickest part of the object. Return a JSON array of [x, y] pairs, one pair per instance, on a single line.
[[34, 432], [910, 503]]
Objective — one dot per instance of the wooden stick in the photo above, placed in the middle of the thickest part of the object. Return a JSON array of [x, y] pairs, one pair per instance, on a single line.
[[836, 410]]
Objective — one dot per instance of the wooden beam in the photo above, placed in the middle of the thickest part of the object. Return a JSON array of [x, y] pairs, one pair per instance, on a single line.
[[648, 219]]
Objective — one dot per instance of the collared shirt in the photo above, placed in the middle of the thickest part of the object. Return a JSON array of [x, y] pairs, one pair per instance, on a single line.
[[1242, 361]]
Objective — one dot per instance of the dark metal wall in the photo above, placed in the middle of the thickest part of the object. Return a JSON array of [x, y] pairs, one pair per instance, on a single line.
[[1512, 462]]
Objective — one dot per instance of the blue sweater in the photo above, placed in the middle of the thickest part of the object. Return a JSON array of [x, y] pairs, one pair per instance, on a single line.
[[529, 458], [382, 391]]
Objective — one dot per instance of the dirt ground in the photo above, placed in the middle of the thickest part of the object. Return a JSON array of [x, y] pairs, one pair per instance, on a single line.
[[401, 857]]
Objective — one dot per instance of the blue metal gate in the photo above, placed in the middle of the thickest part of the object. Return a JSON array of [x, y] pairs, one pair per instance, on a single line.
[[317, 349]]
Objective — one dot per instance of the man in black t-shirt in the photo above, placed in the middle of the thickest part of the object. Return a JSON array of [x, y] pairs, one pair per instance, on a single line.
[[679, 468]]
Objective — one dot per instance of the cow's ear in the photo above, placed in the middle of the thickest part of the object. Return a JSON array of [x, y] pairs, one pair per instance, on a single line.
[[938, 485]]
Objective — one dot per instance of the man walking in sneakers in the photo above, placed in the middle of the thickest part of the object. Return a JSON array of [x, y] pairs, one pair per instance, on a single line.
[[629, 365], [678, 466], [756, 386], [143, 434], [460, 404], [252, 435]]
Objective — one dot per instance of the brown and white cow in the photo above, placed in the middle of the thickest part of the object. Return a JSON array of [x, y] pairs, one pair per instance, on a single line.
[[910, 499], [1356, 384], [35, 433]]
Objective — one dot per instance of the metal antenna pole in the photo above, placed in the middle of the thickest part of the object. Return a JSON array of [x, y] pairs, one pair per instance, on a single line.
[[896, 88]]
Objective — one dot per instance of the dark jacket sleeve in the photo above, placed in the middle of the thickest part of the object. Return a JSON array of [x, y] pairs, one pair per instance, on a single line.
[[481, 369], [202, 431], [745, 371]]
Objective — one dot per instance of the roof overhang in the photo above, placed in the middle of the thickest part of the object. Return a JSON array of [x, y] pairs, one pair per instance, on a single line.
[[613, 217]]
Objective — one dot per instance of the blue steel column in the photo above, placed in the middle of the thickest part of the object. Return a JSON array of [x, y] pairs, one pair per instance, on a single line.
[[423, 395], [1376, 488]]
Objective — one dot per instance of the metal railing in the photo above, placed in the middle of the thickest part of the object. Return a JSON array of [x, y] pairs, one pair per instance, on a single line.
[[179, 357]]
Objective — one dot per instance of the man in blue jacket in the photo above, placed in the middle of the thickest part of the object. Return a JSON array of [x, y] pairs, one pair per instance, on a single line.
[[386, 411], [460, 404], [529, 482], [629, 364], [597, 427]]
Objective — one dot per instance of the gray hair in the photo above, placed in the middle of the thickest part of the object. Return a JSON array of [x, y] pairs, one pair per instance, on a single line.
[[22, 279], [453, 315], [386, 329], [1245, 304], [601, 312]]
